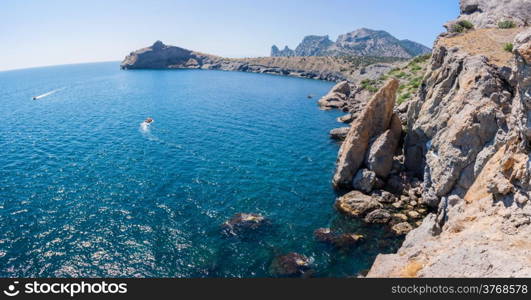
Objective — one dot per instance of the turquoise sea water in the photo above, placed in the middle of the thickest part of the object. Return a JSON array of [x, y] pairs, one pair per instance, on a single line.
[[85, 191]]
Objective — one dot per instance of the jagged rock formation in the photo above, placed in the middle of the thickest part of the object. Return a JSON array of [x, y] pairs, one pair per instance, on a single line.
[[372, 122], [286, 52], [161, 56], [361, 42], [468, 140]]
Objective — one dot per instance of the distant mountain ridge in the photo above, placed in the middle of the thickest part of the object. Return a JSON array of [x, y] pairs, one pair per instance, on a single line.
[[361, 42]]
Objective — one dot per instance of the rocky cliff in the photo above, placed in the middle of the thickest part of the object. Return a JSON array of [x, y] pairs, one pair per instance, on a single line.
[[161, 56], [361, 42], [468, 141]]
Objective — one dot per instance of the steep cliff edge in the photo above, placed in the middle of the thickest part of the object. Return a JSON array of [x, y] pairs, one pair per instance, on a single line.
[[468, 139]]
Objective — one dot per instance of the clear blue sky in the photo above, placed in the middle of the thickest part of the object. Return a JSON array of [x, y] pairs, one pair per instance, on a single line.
[[37, 32]]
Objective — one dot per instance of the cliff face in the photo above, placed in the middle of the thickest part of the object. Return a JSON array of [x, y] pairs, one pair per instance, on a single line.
[[488, 13], [468, 139], [161, 56], [361, 42]]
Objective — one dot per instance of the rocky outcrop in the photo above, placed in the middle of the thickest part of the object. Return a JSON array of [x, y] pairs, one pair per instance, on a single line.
[[468, 138], [286, 52], [336, 97], [361, 42], [373, 121], [382, 150], [339, 134], [356, 204], [313, 45], [488, 13]]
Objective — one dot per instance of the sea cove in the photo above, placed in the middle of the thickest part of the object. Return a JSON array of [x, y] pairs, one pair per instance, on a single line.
[[84, 191]]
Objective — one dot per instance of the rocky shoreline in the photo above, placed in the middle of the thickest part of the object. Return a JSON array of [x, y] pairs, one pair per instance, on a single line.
[[459, 152], [354, 69]]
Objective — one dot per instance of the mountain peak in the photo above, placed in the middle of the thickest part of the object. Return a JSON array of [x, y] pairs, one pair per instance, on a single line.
[[360, 42]]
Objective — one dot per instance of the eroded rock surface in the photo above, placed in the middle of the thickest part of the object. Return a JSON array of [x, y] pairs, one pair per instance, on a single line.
[[468, 135], [373, 121]]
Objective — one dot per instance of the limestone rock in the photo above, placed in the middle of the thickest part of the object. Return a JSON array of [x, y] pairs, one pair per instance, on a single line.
[[364, 181], [378, 216], [401, 228], [345, 118], [373, 121], [339, 133], [356, 204], [361, 42], [336, 97], [382, 150], [488, 13]]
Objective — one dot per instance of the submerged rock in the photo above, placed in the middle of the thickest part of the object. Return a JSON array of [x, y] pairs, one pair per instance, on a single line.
[[242, 222], [325, 235], [291, 264], [373, 121]]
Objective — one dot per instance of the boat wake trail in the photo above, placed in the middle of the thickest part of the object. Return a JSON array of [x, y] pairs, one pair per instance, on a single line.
[[47, 94], [145, 130]]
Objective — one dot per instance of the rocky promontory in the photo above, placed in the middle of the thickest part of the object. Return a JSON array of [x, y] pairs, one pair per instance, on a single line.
[[161, 56]]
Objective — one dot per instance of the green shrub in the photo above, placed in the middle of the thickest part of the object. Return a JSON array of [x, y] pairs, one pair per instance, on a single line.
[[402, 98], [466, 24], [506, 24], [370, 85], [457, 28], [508, 47], [415, 82], [415, 68], [421, 58], [462, 26]]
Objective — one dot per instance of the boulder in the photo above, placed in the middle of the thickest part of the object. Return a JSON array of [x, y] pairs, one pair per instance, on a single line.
[[384, 196], [243, 222], [382, 150], [339, 134], [402, 228], [290, 264], [336, 97], [346, 118], [373, 121], [364, 181], [378, 216], [356, 204]]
